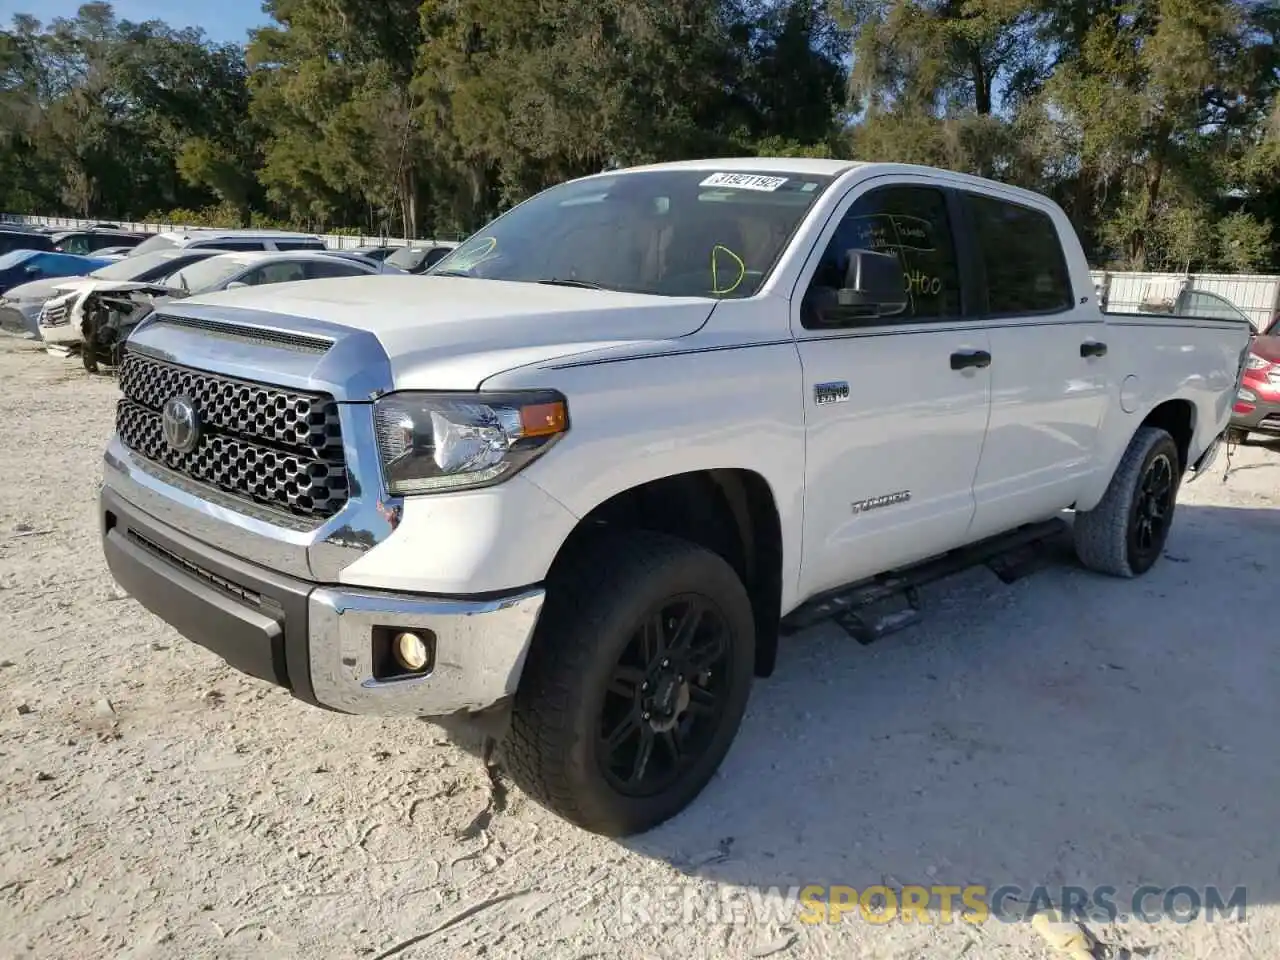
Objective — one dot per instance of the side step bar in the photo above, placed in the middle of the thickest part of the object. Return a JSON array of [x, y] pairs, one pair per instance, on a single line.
[[860, 607]]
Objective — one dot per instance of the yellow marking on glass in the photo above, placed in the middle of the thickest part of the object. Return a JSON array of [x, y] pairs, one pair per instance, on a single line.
[[470, 259], [715, 278]]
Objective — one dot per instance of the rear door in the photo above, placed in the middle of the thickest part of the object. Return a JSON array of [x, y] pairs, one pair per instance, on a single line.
[[1048, 370], [895, 408]]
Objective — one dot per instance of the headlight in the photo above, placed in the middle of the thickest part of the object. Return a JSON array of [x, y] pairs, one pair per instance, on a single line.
[[1248, 396], [430, 442], [1255, 362]]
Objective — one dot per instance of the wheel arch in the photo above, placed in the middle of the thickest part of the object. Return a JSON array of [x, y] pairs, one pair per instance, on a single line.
[[731, 511], [1176, 416]]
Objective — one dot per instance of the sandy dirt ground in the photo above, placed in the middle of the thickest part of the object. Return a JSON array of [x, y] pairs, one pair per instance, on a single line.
[[1065, 729]]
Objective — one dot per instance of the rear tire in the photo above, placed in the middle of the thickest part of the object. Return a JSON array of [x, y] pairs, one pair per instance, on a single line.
[[646, 643], [1125, 533]]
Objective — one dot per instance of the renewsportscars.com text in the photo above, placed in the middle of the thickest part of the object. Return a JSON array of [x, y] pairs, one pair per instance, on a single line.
[[691, 903]]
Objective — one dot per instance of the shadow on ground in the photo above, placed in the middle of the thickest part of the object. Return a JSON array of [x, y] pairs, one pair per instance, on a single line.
[[1066, 729]]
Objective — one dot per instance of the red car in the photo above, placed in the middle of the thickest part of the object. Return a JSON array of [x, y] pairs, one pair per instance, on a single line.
[[1257, 406]]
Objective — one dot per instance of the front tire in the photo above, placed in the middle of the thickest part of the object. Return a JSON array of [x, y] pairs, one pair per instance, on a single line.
[[635, 683], [1126, 532]]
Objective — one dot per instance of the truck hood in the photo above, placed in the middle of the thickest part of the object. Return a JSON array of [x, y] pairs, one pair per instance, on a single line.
[[452, 333]]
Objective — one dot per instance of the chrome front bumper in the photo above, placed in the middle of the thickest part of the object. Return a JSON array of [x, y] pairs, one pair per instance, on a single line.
[[318, 641], [480, 648]]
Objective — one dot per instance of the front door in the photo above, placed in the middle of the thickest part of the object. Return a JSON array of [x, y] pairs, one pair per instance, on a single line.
[[895, 407]]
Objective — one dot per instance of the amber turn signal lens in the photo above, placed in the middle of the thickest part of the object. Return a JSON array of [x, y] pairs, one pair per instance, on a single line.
[[543, 419]]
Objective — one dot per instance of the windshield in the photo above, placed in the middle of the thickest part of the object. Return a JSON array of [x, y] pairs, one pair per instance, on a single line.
[[408, 258], [137, 267], [665, 232], [206, 274], [15, 257], [152, 244]]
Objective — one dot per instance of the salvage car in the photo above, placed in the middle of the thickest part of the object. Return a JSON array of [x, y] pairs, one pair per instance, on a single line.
[[375, 251], [240, 240], [23, 266], [20, 306], [576, 482], [96, 316], [1257, 404], [88, 242], [418, 258], [20, 238]]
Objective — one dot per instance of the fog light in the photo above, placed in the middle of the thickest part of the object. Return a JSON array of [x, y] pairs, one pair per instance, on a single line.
[[410, 651]]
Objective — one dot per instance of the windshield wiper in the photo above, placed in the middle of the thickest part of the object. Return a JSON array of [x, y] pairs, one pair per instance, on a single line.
[[448, 273], [585, 284]]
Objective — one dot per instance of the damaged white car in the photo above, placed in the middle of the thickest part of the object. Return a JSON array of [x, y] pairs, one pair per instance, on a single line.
[[93, 317]]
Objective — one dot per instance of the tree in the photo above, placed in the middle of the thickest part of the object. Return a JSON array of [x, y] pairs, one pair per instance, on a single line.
[[1244, 243], [1154, 123]]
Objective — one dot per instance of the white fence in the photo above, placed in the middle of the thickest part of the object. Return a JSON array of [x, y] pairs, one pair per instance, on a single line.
[[334, 241], [1256, 295]]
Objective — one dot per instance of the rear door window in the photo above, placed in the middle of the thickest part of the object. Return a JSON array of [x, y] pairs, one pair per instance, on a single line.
[[299, 245], [284, 272], [236, 244], [78, 243], [319, 269], [1022, 256]]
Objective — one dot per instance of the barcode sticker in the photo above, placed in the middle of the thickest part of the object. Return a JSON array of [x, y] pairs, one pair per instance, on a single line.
[[744, 181]]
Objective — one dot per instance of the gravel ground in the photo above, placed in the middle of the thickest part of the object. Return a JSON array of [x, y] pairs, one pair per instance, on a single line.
[[1066, 729]]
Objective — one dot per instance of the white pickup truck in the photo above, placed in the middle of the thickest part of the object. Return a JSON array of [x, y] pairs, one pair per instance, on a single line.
[[583, 474]]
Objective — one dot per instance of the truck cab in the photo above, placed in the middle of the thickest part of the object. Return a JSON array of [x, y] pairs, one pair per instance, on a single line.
[[579, 476]]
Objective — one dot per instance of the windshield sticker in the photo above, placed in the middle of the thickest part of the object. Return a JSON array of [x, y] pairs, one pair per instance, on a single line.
[[744, 181]]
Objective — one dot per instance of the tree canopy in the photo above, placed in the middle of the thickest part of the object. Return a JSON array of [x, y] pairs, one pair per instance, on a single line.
[[1155, 123]]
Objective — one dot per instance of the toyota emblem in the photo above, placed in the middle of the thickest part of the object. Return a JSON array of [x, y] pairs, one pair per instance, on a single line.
[[180, 424]]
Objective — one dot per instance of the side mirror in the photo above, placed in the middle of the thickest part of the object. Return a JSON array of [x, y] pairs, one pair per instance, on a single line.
[[32, 271], [235, 285], [873, 285]]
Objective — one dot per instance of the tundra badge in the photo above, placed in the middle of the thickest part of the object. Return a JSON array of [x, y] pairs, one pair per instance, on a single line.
[[887, 500], [835, 391]]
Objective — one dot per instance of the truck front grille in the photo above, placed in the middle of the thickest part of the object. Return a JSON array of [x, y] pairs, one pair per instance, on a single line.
[[275, 446]]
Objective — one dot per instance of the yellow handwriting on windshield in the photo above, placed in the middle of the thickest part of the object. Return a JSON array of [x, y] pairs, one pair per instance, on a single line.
[[465, 259], [715, 272]]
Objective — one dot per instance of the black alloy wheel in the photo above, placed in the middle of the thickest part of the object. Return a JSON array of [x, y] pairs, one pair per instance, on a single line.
[[666, 698]]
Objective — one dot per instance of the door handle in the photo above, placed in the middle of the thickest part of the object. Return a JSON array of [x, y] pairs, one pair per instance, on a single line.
[[1092, 348], [964, 359]]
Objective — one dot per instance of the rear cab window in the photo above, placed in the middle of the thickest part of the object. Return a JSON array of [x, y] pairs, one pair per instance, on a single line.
[[1022, 258]]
